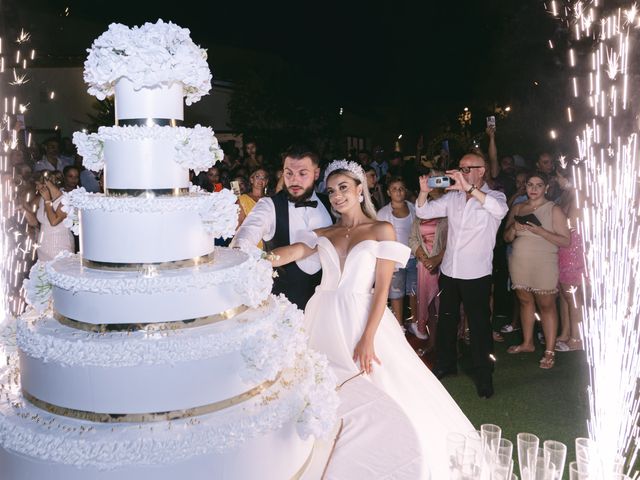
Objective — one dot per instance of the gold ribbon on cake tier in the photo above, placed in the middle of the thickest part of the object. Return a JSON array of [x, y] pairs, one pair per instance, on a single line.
[[150, 326], [146, 192], [149, 268], [148, 122], [153, 416]]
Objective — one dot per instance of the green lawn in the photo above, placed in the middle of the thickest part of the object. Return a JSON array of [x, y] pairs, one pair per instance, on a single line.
[[552, 404]]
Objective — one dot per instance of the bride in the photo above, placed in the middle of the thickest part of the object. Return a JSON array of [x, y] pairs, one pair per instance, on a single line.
[[396, 414]]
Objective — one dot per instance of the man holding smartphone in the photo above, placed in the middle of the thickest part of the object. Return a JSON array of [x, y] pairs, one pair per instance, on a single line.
[[474, 212]]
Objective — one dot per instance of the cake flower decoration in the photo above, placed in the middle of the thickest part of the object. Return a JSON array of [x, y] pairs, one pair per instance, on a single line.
[[151, 55]]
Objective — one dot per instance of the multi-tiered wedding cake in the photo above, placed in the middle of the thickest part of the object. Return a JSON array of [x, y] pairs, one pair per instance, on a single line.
[[149, 354]]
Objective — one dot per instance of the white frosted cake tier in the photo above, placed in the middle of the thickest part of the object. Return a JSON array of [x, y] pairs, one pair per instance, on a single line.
[[150, 230], [269, 437], [148, 157], [143, 164], [141, 372], [157, 102], [93, 296]]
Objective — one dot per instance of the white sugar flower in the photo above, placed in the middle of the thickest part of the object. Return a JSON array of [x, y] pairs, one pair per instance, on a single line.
[[258, 282], [72, 220], [220, 215], [37, 288], [266, 356], [150, 55], [320, 413], [90, 148]]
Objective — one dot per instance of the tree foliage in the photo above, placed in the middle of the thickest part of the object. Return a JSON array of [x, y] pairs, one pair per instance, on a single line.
[[278, 106]]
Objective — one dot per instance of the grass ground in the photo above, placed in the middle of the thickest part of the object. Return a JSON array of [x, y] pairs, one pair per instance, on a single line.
[[549, 403]]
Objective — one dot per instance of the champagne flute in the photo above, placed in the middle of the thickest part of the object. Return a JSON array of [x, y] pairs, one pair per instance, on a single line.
[[557, 455], [454, 442], [502, 446], [525, 442]]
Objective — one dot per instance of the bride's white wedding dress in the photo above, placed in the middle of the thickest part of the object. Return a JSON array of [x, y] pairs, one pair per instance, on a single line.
[[396, 420]]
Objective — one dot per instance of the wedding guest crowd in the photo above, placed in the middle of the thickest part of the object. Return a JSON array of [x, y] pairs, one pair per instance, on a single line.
[[416, 295]]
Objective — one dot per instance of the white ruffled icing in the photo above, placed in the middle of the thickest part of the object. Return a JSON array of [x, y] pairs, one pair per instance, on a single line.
[[278, 320], [149, 56], [31, 432], [218, 211], [251, 278], [195, 148]]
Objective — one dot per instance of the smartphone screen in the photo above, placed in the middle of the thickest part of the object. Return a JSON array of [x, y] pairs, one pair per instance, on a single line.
[[235, 186], [491, 121]]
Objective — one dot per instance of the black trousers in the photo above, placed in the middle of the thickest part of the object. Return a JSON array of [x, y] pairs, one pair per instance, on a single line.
[[474, 295]]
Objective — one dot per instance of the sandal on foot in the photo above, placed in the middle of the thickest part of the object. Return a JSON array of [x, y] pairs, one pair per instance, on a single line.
[[497, 337], [562, 346], [548, 360], [575, 344], [508, 328], [518, 349]]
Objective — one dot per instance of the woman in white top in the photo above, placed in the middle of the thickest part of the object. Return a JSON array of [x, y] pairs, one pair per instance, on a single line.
[[54, 235], [400, 214]]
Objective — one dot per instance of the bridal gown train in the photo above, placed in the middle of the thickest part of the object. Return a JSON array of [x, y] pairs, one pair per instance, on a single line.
[[396, 420]]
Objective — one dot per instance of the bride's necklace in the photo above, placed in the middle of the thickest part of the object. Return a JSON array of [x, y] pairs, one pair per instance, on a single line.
[[348, 233]]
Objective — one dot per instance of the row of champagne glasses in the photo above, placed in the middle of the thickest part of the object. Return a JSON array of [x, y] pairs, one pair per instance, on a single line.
[[484, 455]]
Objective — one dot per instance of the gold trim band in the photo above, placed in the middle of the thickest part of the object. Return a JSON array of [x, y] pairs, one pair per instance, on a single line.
[[146, 192], [151, 326], [150, 267], [149, 417], [147, 122]]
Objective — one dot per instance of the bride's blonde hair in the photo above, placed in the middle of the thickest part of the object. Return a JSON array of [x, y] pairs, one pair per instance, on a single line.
[[355, 172]]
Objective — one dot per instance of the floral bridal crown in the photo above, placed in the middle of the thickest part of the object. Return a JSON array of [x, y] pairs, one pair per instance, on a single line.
[[353, 167]]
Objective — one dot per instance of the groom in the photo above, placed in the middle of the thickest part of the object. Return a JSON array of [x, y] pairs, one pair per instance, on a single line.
[[285, 218]]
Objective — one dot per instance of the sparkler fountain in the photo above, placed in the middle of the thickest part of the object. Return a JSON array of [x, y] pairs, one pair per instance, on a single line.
[[606, 170], [17, 250]]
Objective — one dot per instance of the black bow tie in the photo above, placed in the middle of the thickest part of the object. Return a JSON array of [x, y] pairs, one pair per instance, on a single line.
[[307, 203]]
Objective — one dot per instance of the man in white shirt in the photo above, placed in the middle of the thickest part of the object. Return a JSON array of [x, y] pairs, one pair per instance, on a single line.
[[51, 160], [474, 212], [287, 218]]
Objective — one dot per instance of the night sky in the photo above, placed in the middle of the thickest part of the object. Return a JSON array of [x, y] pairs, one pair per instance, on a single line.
[[419, 60]]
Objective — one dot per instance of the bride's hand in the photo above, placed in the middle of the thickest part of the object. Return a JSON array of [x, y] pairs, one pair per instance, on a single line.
[[365, 354]]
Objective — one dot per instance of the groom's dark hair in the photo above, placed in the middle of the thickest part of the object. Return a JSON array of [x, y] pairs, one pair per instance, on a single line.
[[298, 151]]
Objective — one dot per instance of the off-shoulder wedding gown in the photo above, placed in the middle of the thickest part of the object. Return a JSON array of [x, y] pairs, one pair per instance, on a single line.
[[396, 420]]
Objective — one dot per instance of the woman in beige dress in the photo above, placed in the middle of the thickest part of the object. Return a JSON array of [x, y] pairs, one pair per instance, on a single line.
[[533, 265]]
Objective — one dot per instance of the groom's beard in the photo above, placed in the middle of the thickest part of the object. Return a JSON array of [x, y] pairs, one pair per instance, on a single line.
[[302, 197]]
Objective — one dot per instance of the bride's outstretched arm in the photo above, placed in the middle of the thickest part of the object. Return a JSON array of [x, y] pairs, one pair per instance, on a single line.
[[290, 253], [364, 353]]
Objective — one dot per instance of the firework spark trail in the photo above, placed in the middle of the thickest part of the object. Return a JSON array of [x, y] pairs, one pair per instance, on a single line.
[[17, 251], [607, 192]]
